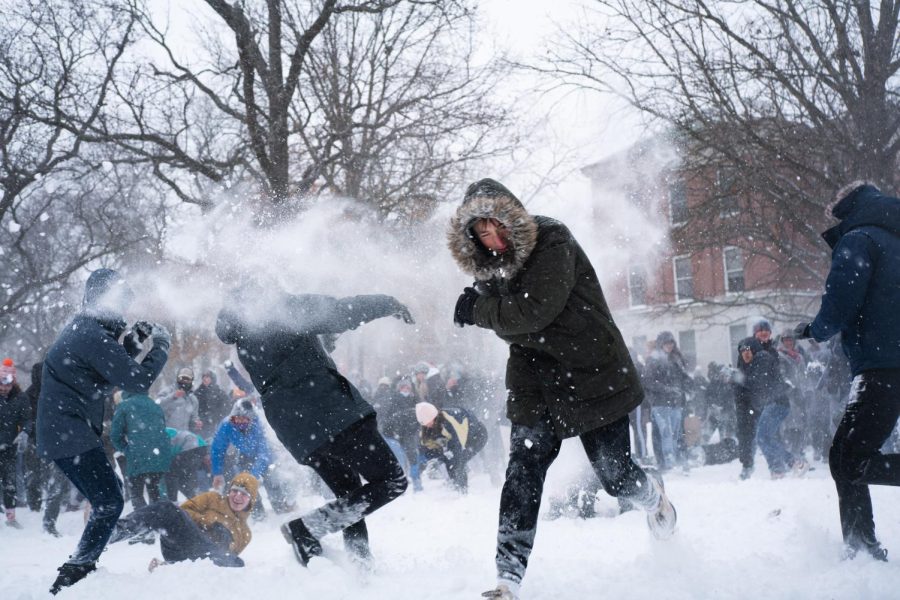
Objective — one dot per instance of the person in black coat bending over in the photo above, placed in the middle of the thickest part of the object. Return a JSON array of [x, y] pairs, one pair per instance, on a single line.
[[317, 414], [82, 367]]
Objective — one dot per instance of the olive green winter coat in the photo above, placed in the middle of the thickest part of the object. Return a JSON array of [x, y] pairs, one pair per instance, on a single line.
[[543, 298]]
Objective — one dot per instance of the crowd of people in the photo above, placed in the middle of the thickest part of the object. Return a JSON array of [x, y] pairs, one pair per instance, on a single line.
[[88, 410]]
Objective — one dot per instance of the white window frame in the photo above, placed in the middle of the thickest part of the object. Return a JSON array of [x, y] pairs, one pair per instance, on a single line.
[[678, 182], [725, 270], [631, 302], [675, 260]]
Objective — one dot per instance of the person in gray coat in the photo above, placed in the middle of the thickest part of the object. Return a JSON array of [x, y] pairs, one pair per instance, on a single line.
[[84, 365]]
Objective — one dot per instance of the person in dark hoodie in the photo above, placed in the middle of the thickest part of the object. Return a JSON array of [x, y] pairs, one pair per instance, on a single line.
[[14, 417], [862, 292], [568, 374], [667, 383], [213, 404], [316, 413], [81, 369]]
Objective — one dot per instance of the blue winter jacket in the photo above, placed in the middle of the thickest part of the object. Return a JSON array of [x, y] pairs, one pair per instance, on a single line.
[[862, 292], [82, 367], [250, 444]]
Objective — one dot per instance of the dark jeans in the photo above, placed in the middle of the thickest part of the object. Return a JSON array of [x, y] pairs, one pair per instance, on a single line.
[[747, 420], [180, 537], [56, 487], [768, 436], [8, 458], [355, 454], [34, 472], [855, 459], [532, 451], [182, 475], [136, 485], [93, 476]]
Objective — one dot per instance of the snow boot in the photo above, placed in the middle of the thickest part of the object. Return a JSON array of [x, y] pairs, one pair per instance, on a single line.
[[663, 518], [305, 545], [50, 528], [70, 574], [867, 544], [501, 592], [800, 467], [746, 472], [11, 519]]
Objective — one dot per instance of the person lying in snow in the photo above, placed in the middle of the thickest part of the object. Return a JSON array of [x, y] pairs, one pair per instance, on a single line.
[[212, 525]]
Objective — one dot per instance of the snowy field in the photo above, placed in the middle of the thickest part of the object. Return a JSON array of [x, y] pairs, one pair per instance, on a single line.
[[752, 539]]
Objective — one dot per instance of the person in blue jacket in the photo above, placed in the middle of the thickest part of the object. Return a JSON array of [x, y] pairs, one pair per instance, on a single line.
[[244, 431], [862, 293], [82, 367]]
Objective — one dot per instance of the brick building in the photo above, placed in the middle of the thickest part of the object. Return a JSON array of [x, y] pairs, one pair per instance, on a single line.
[[692, 253]]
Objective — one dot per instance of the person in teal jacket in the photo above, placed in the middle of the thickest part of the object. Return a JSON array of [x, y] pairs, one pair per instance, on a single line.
[[139, 431]]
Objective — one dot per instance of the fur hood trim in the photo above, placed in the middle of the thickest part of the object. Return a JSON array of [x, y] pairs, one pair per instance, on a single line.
[[475, 259]]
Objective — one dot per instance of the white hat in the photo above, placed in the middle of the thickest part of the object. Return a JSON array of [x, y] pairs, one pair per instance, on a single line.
[[384, 381], [425, 412]]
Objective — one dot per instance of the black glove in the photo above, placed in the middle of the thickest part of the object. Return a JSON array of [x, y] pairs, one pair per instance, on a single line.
[[402, 313], [142, 329], [464, 314], [220, 535], [801, 331]]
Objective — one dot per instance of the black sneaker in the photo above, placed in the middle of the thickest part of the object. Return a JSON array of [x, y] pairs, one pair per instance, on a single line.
[[305, 545], [70, 574], [50, 528]]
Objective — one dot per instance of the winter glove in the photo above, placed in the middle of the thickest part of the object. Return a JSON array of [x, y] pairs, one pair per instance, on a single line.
[[161, 336], [802, 332], [142, 329], [21, 441], [402, 312], [464, 314]]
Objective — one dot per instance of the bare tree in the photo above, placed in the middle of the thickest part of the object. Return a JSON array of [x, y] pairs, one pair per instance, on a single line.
[[394, 107], [774, 103]]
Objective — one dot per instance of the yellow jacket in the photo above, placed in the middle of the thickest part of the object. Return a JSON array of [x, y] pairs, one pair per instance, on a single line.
[[210, 508]]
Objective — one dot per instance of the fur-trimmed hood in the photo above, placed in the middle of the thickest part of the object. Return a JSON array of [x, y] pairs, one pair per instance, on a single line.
[[489, 199]]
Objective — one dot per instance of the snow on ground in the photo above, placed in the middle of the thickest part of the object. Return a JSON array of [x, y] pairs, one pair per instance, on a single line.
[[751, 539]]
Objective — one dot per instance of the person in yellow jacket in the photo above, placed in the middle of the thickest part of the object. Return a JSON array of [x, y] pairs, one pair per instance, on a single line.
[[452, 436], [211, 525]]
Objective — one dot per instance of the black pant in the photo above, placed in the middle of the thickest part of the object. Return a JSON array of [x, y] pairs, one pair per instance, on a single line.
[[747, 420], [136, 485], [180, 537], [855, 459], [93, 476], [8, 457], [532, 451], [33, 470], [182, 475], [356, 453]]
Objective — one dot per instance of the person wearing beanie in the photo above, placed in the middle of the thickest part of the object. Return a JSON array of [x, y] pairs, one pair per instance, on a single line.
[[81, 370], [213, 403], [212, 525], [318, 414], [862, 292], [243, 431], [180, 405], [15, 414], [667, 384], [569, 372], [452, 436], [138, 430]]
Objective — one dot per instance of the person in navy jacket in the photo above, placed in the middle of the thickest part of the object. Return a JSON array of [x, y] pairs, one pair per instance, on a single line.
[[862, 293], [84, 365]]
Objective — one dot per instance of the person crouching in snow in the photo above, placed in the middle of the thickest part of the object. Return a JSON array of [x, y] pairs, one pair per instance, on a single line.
[[569, 372], [452, 436], [317, 414], [212, 525]]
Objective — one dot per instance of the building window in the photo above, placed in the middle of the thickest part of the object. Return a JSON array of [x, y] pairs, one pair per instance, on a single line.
[[637, 285], [727, 192], [684, 278], [687, 343], [678, 208], [735, 334], [734, 269]]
